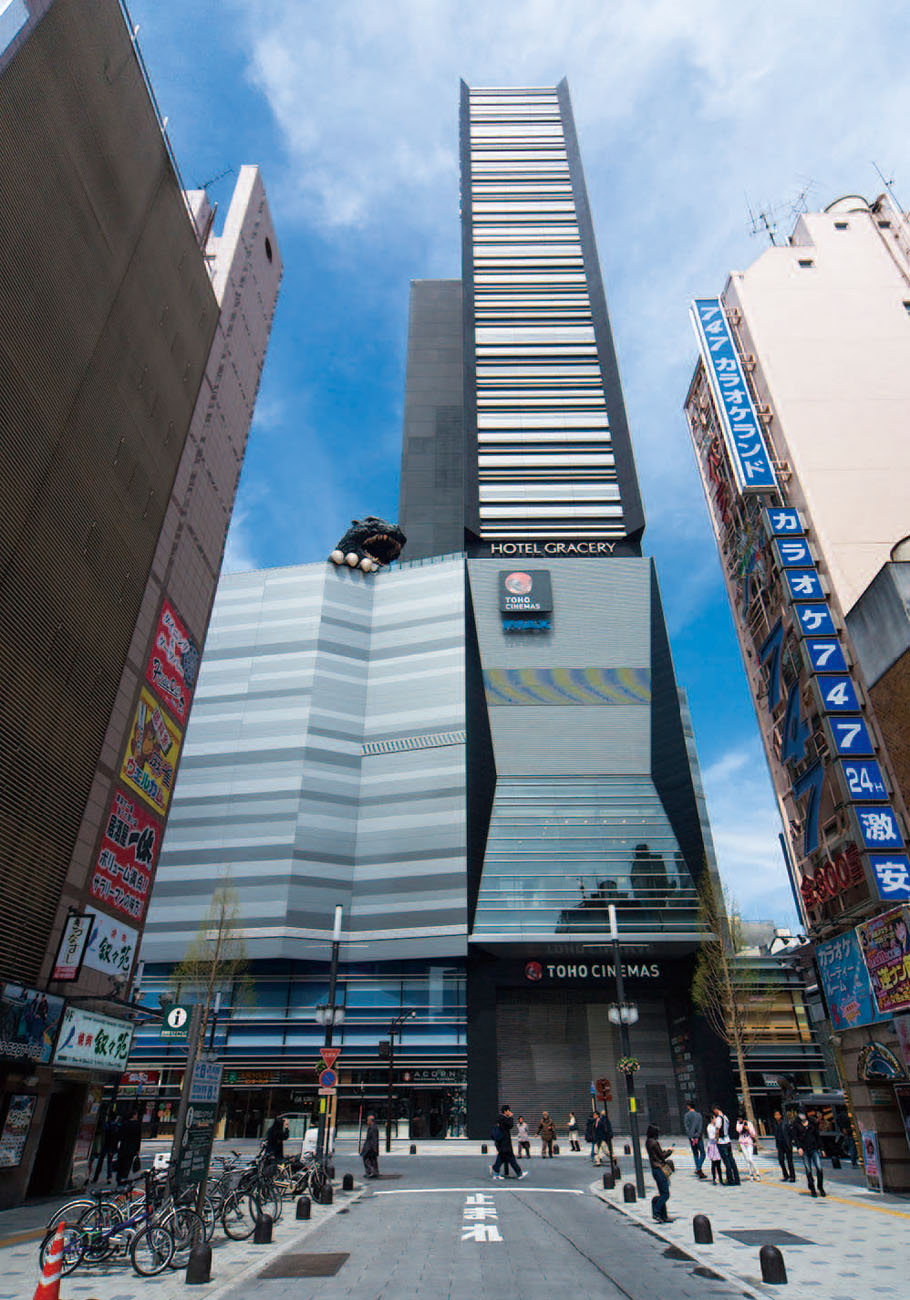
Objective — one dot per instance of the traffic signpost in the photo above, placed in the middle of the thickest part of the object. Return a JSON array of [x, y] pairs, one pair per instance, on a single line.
[[330, 1055]]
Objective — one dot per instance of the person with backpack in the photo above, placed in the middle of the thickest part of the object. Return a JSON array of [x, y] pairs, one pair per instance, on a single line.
[[502, 1139], [722, 1138], [808, 1144], [661, 1169]]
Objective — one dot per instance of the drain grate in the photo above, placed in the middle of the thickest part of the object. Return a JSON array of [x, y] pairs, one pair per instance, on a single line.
[[305, 1266], [767, 1237]]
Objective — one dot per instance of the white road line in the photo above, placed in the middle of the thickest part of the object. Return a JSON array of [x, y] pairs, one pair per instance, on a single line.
[[494, 1191]]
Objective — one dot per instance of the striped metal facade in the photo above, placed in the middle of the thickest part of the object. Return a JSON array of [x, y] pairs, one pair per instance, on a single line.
[[324, 763], [536, 335]]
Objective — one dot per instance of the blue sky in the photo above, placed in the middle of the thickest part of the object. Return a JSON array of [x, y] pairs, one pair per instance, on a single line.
[[687, 114]]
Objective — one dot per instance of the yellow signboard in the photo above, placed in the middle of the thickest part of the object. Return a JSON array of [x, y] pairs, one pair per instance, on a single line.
[[151, 753]]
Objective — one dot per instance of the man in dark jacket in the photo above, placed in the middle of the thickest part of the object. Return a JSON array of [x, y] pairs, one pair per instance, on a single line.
[[275, 1138], [130, 1142], [694, 1126], [808, 1144], [502, 1137], [783, 1140], [603, 1139], [109, 1146], [369, 1152]]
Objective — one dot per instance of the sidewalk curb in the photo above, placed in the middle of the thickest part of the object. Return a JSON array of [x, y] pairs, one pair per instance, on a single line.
[[215, 1289], [705, 1261]]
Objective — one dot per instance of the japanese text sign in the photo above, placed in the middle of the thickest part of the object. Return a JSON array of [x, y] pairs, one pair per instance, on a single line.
[[127, 858], [93, 1041], [845, 980], [879, 828], [173, 663], [885, 945], [892, 876], [784, 521], [72, 947], [111, 947], [742, 431], [151, 753]]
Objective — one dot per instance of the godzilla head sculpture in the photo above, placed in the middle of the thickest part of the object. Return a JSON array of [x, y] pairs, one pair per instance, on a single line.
[[369, 544]]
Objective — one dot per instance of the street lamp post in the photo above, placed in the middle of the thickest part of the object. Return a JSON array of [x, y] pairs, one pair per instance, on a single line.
[[626, 1014], [396, 1025], [329, 1021]]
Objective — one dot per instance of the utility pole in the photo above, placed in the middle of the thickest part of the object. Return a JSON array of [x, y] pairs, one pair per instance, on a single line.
[[329, 1028], [625, 1017]]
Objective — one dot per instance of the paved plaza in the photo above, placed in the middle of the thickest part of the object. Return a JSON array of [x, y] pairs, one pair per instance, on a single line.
[[435, 1225]]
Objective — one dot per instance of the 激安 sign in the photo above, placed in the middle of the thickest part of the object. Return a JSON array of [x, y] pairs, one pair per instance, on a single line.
[[743, 434], [93, 1041]]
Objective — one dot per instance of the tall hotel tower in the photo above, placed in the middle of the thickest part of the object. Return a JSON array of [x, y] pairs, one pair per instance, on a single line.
[[582, 781], [477, 751]]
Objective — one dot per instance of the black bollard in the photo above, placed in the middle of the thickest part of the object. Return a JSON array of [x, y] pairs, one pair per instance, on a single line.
[[347, 1183], [627, 1150], [413, 1149], [262, 1233], [609, 1181], [483, 1148], [628, 1192], [772, 1265], [835, 1162], [330, 1170], [328, 1194], [199, 1268], [701, 1226], [304, 1207]]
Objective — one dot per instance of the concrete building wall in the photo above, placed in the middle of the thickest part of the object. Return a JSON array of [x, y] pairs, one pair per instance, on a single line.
[[826, 319]]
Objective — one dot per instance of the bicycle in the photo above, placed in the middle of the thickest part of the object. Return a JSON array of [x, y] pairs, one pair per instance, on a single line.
[[149, 1243]]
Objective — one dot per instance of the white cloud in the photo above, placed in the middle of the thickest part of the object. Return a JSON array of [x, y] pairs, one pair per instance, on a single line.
[[746, 825], [239, 550]]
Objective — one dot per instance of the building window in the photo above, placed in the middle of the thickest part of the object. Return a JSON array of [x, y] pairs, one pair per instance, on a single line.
[[884, 225], [907, 306], [840, 225], [806, 263], [268, 248]]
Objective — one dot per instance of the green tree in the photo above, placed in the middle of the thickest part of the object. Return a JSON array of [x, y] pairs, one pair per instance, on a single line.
[[726, 988], [216, 960]]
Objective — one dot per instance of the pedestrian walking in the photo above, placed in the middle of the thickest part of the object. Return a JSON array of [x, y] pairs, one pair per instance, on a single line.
[[712, 1152], [808, 1145], [783, 1140], [109, 1145], [369, 1152], [603, 1139], [747, 1139], [590, 1126], [275, 1138], [722, 1137], [502, 1137], [524, 1137], [572, 1126], [129, 1147], [661, 1169], [694, 1124], [546, 1131]]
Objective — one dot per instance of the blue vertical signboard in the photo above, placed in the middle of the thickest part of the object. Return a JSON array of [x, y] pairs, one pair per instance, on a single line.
[[743, 434], [840, 706]]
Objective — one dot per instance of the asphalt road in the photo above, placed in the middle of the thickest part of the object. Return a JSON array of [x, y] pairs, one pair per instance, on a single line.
[[440, 1228]]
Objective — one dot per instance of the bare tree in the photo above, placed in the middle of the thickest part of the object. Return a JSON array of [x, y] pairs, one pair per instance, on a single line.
[[216, 961], [726, 989]]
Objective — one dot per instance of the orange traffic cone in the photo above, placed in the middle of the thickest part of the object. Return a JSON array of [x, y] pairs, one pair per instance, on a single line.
[[49, 1286]]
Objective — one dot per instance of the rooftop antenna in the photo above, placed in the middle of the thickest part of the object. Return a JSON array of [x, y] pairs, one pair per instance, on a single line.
[[764, 221], [220, 177], [887, 184]]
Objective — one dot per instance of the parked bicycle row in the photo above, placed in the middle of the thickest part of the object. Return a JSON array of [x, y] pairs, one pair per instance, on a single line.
[[154, 1227]]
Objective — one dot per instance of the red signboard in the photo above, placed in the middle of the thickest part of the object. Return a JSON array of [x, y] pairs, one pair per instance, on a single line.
[[128, 856], [833, 878], [173, 663], [604, 1090], [330, 1055]]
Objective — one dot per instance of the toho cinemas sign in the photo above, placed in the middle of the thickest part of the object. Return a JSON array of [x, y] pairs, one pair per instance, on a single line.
[[563, 972]]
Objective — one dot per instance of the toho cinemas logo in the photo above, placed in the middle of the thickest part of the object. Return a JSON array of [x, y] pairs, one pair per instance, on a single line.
[[542, 973]]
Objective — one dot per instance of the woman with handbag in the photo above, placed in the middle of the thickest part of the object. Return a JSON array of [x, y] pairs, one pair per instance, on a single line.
[[661, 1169]]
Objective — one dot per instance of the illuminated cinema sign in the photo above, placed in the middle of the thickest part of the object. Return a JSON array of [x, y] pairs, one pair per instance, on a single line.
[[743, 434]]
